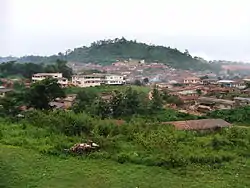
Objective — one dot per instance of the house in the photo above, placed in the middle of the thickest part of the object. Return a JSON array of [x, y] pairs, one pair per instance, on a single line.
[[205, 104], [188, 99], [4, 91], [192, 80], [63, 103], [97, 80], [41, 76], [240, 101], [226, 83], [202, 124], [209, 81], [240, 84]]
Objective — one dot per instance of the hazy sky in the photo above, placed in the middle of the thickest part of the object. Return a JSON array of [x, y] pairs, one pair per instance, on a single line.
[[213, 29]]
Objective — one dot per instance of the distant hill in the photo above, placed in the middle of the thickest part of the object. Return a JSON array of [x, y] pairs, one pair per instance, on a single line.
[[6, 59], [108, 51]]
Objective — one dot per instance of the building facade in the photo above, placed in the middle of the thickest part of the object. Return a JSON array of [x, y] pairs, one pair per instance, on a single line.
[[58, 76], [97, 80], [192, 80]]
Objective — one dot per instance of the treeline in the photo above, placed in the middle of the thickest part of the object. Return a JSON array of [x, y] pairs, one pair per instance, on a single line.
[[26, 70]]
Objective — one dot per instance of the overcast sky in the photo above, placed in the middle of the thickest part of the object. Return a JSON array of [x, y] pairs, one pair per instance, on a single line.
[[212, 29]]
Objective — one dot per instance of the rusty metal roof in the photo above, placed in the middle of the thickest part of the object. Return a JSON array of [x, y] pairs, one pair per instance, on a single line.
[[201, 124]]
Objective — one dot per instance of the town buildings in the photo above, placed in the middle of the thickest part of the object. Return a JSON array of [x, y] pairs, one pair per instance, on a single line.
[[97, 80]]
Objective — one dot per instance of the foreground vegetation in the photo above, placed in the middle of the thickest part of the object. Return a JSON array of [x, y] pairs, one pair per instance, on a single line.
[[136, 150], [132, 154], [26, 168]]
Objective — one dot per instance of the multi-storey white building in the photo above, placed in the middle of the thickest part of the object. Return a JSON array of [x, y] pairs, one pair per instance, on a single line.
[[97, 80], [41, 76]]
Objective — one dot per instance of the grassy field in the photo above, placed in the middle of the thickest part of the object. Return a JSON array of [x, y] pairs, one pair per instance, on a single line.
[[26, 168]]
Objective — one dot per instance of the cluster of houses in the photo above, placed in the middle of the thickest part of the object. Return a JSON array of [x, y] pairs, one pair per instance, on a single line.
[[201, 96]]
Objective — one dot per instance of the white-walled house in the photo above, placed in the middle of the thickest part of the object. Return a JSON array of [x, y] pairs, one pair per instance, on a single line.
[[114, 80], [97, 80], [41, 76], [88, 80]]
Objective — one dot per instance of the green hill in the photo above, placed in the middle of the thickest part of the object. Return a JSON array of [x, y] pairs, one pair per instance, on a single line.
[[108, 51]]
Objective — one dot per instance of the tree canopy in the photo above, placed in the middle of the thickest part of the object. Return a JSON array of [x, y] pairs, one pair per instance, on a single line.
[[42, 93], [26, 70]]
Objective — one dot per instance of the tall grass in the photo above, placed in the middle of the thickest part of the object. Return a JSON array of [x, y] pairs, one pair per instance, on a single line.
[[137, 141]]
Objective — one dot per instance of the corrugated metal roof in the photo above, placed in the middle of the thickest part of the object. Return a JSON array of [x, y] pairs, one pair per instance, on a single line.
[[201, 124]]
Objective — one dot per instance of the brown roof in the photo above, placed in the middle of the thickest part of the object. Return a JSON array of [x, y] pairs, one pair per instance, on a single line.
[[186, 98], [4, 90], [201, 124], [215, 100]]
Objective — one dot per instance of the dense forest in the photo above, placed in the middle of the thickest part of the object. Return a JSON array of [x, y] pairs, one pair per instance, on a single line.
[[108, 51]]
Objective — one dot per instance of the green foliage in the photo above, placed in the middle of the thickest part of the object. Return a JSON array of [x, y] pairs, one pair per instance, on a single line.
[[108, 51], [139, 141], [84, 100], [7, 174], [237, 115], [171, 99], [42, 93], [26, 70], [198, 91], [156, 102], [122, 103], [137, 83], [9, 105], [59, 66], [38, 170]]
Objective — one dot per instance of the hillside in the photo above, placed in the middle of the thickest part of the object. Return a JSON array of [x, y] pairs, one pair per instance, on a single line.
[[108, 51]]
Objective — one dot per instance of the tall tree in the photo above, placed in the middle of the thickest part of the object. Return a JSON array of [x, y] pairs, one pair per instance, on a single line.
[[84, 100], [64, 69], [42, 93], [10, 104], [156, 102], [131, 102]]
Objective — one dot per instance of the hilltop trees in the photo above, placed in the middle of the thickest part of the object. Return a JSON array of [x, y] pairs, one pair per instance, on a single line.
[[60, 66], [26, 70]]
